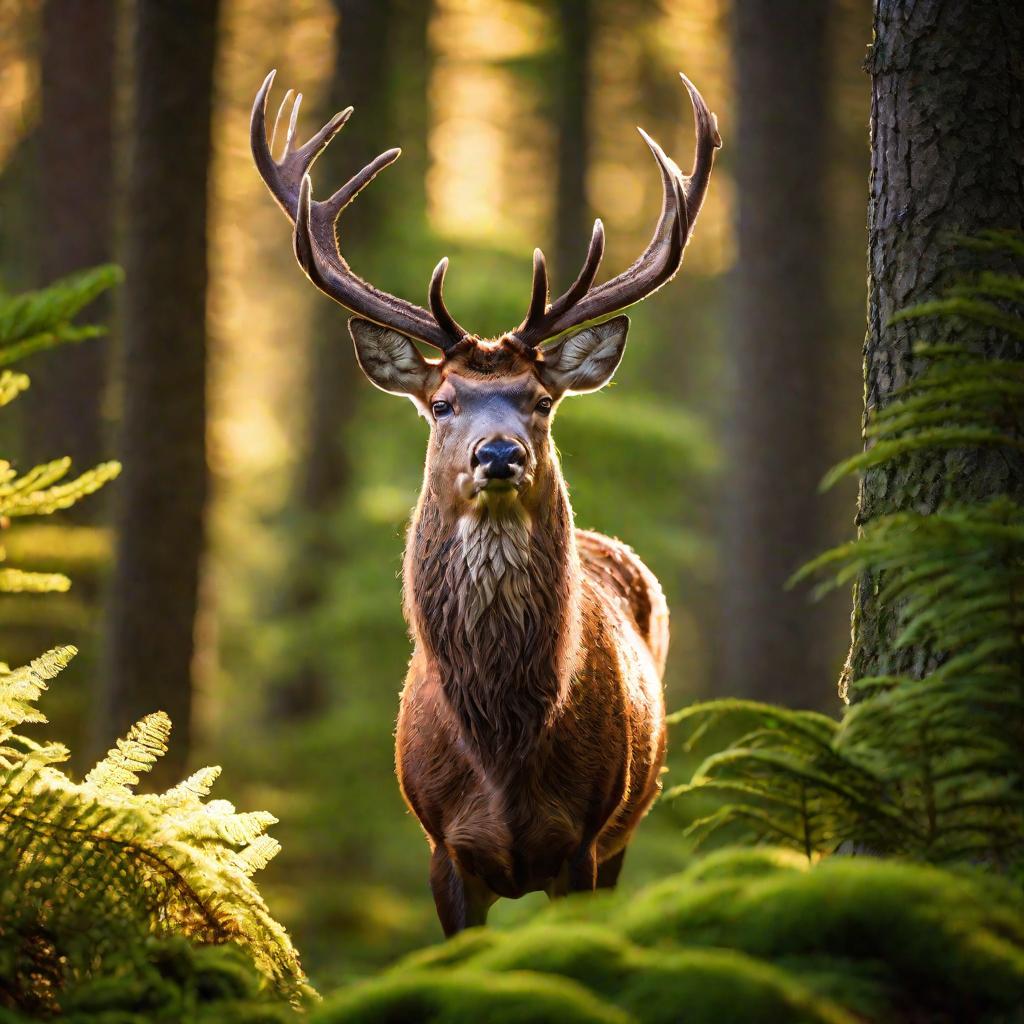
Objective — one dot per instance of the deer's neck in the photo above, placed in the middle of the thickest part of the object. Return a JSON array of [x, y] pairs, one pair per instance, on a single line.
[[493, 596]]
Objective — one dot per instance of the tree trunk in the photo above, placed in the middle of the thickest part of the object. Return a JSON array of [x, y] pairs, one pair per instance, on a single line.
[[774, 643], [947, 158], [572, 121], [361, 79], [76, 185], [162, 492]]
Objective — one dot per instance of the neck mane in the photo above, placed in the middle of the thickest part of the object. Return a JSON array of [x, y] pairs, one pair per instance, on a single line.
[[492, 595]]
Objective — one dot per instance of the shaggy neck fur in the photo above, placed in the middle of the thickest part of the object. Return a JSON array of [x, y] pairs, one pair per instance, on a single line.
[[492, 595]]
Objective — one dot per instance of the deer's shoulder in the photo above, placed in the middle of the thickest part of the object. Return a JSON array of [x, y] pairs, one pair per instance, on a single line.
[[620, 575]]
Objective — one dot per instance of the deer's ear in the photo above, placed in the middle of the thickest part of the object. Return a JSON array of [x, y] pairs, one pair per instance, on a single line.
[[389, 359], [586, 360]]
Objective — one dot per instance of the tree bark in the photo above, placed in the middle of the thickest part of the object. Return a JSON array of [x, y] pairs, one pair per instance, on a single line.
[[572, 121], [162, 492], [947, 158], [76, 185], [774, 641], [361, 79]]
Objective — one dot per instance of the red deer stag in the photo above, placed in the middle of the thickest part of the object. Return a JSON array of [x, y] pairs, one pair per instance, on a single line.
[[531, 733]]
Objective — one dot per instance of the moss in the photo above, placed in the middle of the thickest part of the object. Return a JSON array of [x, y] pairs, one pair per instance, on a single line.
[[593, 955], [656, 987], [741, 936], [755, 862], [929, 935], [454, 952], [711, 986], [467, 997]]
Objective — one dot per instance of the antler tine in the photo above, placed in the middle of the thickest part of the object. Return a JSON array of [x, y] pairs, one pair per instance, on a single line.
[[316, 250], [284, 176], [538, 293], [358, 182], [292, 122], [660, 260], [658, 263], [314, 238], [288, 96], [435, 295], [585, 279], [708, 140]]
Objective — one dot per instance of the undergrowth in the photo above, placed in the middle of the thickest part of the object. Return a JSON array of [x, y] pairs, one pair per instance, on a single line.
[[115, 905], [924, 767]]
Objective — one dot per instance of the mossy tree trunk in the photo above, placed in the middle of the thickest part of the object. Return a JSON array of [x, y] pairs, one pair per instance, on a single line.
[[162, 493], [947, 159], [774, 641], [75, 218]]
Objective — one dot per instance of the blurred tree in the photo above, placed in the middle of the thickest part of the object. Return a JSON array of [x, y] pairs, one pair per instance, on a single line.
[[772, 640], [572, 120], [947, 159], [75, 222], [160, 516], [365, 60]]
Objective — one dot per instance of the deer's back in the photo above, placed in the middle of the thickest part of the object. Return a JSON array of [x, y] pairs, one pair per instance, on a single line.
[[616, 569]]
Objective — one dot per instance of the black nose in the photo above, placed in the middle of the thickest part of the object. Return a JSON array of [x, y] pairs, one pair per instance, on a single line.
[[500, 458]]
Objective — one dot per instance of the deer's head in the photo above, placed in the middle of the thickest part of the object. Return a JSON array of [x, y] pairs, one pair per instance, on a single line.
[[489, 402]]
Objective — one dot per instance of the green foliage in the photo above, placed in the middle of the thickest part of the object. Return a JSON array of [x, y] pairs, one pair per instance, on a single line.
[[107, 892], [30, 323], [91, 869], [928, 767], [742, 936], [169, 981], [42, 319]]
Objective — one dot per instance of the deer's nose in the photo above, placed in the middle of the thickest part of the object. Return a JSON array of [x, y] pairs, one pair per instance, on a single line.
[[500, 459]]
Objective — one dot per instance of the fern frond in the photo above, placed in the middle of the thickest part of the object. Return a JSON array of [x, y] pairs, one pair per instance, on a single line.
[[20, 689], [258, 854], [132, 756], [42, 319], [36, 494], [74, 854]]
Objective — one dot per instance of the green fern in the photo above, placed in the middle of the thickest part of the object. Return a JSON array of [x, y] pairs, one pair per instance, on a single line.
[[30, 323], [930, 767], [95, 856], [107, 894], [40, 320]]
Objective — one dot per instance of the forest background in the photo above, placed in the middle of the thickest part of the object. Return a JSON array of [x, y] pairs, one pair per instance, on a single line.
[[243, 573]]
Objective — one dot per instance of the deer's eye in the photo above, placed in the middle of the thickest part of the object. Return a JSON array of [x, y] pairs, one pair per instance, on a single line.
[[441, 409], [544, 406]]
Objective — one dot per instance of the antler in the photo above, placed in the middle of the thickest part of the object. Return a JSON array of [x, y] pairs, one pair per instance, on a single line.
[[657, 264], [315, 241]]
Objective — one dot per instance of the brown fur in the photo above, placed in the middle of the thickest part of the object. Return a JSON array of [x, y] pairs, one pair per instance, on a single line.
[[531, 732]]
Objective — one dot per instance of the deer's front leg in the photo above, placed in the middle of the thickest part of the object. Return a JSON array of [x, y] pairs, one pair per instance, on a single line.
[[578, 874], [461, 902], [582, 874]]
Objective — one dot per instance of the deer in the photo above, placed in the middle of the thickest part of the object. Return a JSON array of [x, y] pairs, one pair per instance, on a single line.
[[531, 737]]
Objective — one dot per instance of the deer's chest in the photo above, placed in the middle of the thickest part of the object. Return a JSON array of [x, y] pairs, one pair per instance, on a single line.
[[512, 824]]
